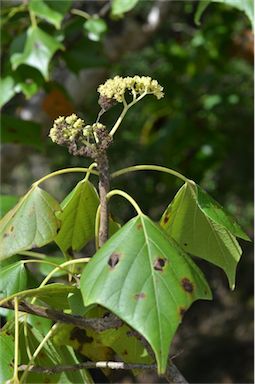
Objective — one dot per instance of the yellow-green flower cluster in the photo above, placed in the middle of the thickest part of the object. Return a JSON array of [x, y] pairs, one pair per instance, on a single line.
[[115, 88], [66, 128]]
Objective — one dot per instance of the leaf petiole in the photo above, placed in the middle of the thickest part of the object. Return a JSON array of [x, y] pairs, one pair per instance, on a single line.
[[158, 168], [127, 197], [61, 172], [16, 350]]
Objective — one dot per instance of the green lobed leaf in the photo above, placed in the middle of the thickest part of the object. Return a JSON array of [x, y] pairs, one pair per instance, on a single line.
[[31, 223], [38, 51], [7, 354], [78, 217], [7, 87], [6, 203], [121, 6], [13, 278], [15, 130], [42, 10], [145, 279], [203, 229]]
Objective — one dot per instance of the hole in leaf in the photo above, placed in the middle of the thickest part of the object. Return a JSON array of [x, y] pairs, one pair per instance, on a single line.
[[140, 296], [185, 244], [159, 264], [114, 259], [187, 285]]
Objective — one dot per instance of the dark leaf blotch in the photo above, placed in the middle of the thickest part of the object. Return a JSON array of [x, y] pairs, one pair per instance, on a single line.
[[166, 219], [80, 335], [159, 264], [187, 285], [140, 296]]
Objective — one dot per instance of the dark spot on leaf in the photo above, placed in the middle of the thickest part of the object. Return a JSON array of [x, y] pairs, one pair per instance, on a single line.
[[182, 310], [140, 296], [114, 259], [6, 234], [125, 352], [80, 335], [12, 228], [34, 246], [166, 219], [139, 226], [106, 314], [187, 285], [185, 244], [58, 230], [159, 264]]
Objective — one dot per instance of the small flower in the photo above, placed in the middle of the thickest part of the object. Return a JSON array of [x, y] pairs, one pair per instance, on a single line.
[[66, 129], [81, 140], [114, 89]]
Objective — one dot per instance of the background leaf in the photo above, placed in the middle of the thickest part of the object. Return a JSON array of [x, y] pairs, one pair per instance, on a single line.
[[203, 229], [146, 280], [6, 203], [31, 223], [247, 6], [38, 51], [13, 278], [42, 10], [121, 6], [7, 353], [7, 86], [96, 28], [15, 130], [78, 217]]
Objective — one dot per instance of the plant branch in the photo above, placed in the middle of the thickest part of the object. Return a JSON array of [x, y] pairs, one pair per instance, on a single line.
[[173, 376], [87, 364], [104, 187], [98, 324]]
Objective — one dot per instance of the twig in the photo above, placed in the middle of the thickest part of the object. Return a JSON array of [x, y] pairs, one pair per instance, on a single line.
[[98, 324], [87, 364], [173, 375], [104, 186]]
